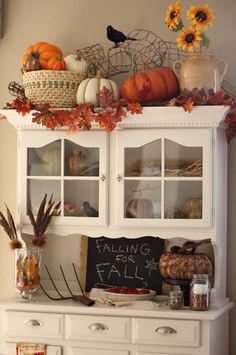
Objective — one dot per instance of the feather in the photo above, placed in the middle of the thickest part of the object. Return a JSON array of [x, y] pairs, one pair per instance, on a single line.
[[44, 216], [5, 225], [11, 223]]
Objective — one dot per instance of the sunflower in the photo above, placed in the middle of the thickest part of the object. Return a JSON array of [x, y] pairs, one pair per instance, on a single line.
[[189, 39], [201, 16], [173, 20]]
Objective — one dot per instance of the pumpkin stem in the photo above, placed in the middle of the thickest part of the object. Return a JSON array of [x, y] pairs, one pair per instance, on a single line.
[[189, 247], [144, 64], [98, 74]]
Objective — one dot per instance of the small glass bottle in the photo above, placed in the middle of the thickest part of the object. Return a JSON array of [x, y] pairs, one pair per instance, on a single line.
[[200, 293], [176, 300]]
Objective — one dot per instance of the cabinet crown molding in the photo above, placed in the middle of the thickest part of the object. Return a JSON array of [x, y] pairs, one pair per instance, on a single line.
[[164, 116]]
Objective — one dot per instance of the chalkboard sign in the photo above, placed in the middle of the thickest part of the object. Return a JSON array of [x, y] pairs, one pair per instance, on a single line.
[[124, 262]]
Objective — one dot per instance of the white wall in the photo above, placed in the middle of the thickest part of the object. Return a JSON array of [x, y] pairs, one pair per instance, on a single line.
[[73, 24]]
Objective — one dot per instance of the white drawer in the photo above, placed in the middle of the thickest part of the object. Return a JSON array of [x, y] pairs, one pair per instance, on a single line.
[[104, 329], [34, 325], [166, 332]]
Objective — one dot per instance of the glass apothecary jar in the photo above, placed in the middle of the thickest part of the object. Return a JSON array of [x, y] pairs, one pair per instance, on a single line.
[[200, 293], [176, 300]]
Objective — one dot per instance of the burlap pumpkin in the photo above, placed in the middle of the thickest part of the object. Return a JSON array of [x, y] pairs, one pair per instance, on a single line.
[[182, 263]]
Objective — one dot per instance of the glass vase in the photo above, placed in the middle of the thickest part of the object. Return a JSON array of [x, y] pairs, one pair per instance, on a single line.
[[27, 271]]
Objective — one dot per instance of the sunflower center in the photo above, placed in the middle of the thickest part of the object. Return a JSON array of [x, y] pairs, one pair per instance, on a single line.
[[172, 15], [201, 16], [189, 38]]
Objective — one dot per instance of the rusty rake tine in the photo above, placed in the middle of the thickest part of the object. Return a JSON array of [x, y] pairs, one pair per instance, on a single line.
[[53, 298], [53, 282], [78, 280], [66, 281]]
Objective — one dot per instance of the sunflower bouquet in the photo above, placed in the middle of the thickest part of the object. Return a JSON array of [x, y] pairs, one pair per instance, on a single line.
[[201, 17]]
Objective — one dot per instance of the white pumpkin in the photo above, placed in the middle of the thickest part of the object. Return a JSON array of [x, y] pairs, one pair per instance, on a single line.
[[90, 87], [76, 64]]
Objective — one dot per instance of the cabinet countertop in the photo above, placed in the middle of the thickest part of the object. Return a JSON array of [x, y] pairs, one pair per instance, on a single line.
[[42, 304]]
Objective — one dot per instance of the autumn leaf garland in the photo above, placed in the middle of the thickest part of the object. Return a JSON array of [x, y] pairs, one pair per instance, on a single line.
[[207, 97], [111, 112], [107, 115]]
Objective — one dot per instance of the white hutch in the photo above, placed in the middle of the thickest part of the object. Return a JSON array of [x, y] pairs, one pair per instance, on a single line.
[[139, 161]]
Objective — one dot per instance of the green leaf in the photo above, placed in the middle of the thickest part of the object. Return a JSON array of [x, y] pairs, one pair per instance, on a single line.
[[205, 40]]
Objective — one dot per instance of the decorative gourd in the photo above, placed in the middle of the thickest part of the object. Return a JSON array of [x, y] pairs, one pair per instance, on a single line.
[[43, 52], [76, 64], [182, 262], [159, 84], [90, 87], [140, 208]]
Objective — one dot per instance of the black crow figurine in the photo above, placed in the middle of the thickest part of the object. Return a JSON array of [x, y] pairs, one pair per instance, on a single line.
[[117, 36], [89, 210]]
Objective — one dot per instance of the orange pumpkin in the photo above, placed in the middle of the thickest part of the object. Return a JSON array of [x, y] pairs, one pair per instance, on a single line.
[[43, 52], [56, 63], [159, 84]]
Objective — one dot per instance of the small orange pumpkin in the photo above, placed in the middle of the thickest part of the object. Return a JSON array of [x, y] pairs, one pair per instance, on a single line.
[[56, 63], [159, 84], [43, 52]]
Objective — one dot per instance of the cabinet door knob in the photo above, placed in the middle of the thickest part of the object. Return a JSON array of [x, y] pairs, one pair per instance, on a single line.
[[97, 327], [33, 323], [165, 330], [119, 178], [102, 177]]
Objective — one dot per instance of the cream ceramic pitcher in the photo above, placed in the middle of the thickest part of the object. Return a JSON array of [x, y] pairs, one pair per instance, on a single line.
[[200, 70]]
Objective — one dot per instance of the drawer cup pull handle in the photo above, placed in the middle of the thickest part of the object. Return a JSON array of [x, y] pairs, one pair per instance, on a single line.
[[33, 323], [165, 330], [97, 327]]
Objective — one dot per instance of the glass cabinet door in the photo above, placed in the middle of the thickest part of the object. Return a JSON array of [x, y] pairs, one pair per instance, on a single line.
[[73, 171], [163, 177]]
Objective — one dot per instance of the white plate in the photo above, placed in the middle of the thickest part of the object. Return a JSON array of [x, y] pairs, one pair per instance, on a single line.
[[124, 297]]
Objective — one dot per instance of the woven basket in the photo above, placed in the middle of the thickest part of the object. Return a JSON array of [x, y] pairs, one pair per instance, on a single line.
[[56, 87]]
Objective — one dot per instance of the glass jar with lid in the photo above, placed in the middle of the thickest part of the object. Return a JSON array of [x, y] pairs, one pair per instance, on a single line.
[[176, 300], [200, 293]]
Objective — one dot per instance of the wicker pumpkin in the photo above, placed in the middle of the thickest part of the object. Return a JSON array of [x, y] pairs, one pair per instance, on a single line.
[[158, 84], [182, 263], [43, 52], [140, 208]]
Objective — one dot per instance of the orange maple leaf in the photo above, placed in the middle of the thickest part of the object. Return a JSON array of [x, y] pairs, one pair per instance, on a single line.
[[134, 108], [143, 93], [105, 97], [188, 104]]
